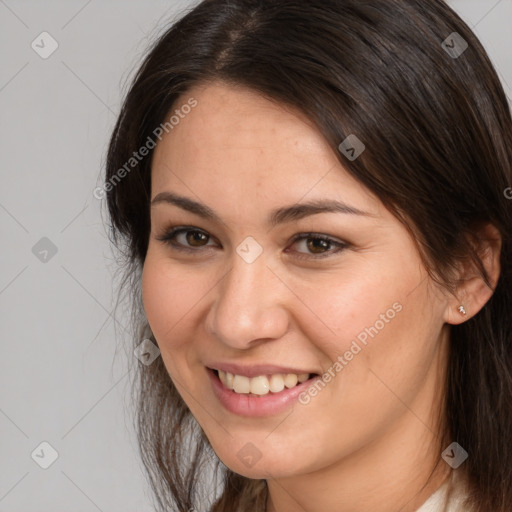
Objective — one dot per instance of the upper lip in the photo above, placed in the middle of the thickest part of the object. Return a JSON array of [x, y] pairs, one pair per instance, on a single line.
[[255, 370]]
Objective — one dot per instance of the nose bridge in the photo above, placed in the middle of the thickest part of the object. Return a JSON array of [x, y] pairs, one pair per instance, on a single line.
[[248, 305]]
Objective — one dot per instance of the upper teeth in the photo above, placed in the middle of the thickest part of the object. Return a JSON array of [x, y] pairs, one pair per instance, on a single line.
[[262, 384]]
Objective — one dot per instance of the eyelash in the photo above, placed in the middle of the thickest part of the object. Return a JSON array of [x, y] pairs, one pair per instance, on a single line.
[[169, 236]]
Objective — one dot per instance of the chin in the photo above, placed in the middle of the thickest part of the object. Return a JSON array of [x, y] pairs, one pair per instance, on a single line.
[[252, 463]]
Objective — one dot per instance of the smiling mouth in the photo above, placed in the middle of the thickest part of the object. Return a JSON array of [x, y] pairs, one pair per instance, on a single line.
[[263, 384]]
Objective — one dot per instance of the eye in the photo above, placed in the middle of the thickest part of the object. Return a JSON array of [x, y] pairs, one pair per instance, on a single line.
[[185, 238], [190, 239], [319, 246]]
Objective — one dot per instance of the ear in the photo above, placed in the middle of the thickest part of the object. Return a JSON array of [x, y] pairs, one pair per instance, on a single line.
[[473, 293]]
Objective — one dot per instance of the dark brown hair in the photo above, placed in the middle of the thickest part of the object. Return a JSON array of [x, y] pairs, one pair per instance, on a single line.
[[438, 135]]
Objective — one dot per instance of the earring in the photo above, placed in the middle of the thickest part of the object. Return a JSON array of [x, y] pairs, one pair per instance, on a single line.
[[462, 310]]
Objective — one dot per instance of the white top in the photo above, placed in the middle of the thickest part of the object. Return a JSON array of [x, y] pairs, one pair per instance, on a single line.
[[448, 498]]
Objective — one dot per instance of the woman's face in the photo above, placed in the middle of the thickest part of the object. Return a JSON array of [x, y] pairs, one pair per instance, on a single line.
[[237, 291]]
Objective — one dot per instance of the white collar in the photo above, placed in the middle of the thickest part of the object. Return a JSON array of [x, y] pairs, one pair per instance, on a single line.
[[443, 500]]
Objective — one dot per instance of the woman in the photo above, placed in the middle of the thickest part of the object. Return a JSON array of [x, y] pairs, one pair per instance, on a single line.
[[311, 196]]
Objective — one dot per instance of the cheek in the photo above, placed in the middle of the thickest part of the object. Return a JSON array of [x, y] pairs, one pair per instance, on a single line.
[[168, 297], [155, 295], [165, 295], [173, 296], [380, 324], [355, 307]]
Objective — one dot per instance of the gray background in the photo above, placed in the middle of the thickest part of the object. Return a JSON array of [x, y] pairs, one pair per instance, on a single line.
[[63, 378]]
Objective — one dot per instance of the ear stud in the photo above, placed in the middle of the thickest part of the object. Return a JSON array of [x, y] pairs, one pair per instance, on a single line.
[[462, 310]]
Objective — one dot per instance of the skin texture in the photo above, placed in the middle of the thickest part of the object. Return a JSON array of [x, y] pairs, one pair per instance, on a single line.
[[369, 439]]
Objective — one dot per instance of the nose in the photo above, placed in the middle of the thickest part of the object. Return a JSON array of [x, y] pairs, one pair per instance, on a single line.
[[249, 306]]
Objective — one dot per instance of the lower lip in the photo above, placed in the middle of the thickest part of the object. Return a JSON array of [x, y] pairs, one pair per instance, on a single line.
[[250, 405]]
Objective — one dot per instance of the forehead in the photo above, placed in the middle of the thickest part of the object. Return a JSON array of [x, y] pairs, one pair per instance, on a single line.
[[235, 143]]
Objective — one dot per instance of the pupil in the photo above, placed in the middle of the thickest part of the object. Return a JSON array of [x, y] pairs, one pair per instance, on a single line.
[[317, 244], [195, 236]]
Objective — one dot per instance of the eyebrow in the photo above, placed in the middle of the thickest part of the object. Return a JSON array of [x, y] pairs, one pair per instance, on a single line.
[[277, 216]]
